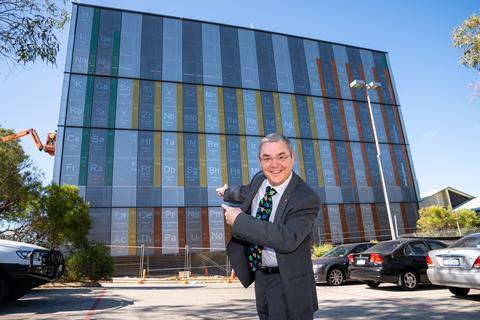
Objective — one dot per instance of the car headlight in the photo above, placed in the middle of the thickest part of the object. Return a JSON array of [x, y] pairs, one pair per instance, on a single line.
[[24, 254]]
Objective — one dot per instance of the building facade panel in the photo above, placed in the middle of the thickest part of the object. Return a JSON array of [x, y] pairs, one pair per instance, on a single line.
[[157, 112]]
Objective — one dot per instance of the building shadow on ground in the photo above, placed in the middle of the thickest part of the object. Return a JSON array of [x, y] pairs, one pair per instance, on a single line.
[[63, 300]]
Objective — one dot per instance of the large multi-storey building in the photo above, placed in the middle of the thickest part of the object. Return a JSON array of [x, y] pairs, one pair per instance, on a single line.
[[159, 111]]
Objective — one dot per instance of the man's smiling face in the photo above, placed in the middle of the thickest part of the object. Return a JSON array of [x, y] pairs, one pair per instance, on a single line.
[[276, 162]]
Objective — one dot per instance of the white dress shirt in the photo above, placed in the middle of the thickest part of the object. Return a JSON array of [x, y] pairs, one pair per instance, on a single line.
[[269, 258]]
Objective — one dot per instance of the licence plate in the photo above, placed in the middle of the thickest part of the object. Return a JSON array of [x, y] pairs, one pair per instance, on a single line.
[[451, 262], [361, 262]]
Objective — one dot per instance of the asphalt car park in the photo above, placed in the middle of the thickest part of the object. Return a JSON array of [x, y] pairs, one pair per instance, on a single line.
[[197, 300]]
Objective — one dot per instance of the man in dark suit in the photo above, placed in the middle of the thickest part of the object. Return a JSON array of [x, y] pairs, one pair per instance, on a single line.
[[272, 234]]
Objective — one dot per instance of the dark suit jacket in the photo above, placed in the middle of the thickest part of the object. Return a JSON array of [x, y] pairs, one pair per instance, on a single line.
[[290, 235]]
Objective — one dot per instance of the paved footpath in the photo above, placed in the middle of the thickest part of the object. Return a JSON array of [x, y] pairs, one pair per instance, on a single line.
[[197, 300]]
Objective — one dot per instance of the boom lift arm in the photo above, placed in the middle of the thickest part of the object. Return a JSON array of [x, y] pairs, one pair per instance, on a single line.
[[49, 146]]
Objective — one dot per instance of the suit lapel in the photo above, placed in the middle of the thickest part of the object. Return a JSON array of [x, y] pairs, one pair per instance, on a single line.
[[285, 198], [247, 203]]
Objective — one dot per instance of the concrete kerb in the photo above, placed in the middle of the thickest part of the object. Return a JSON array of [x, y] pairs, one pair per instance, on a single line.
[[194, 279]]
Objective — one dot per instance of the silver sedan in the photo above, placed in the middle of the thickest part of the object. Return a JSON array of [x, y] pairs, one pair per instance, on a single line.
[[458, 266]]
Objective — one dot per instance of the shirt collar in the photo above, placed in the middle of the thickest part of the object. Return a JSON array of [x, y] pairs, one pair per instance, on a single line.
[[281, 188]]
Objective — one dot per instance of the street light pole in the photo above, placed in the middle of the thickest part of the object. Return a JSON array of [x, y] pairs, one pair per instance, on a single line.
[[372, 86]]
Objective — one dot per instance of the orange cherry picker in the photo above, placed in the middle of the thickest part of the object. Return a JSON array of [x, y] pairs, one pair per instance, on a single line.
[[48, 147]]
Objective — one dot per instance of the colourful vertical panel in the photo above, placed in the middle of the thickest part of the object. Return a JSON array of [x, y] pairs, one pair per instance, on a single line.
[[278, 115], [313, 125], [231, 111], [157, 105], [241, 115], [350, 164], [318, 162], [180, 109], [243, 152], [288, 125], [202, 159], [390, 87], [216, 229], [82, 181], [223, 156], [335, 163], [157, 230], [87, 113], [303, 117], [214, 168], [258, 96], [361, 229], [321, 76], [115, 53], [394, 165], [300, 158], [205, 227], [201, 111], [295, 116], [135, 103], [341, 60], [344, 224], [132, 231], [119, 232], [109, 157], [157, 162], [221, 110], [252, 155], [170, 231], [335, 79], [181, 174], [112, 103], [181, 227], [92, 57]]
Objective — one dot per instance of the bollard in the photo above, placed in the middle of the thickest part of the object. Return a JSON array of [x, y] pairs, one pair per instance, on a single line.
[[232, 278], [142, 280]]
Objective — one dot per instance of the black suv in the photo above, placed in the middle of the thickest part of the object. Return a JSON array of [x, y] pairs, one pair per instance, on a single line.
[[402, 262]]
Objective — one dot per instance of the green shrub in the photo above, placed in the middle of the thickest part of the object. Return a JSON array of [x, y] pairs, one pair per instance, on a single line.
[[434, 220], [93, 262], [319, 250]]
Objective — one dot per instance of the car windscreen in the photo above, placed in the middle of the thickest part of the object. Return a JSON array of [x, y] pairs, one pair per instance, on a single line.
[[336, 252], [467, 242], [387, 246]]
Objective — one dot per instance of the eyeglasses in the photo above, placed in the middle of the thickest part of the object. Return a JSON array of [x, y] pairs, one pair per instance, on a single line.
[[281, 159]]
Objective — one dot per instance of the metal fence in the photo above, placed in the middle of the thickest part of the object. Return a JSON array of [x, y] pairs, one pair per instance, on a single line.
[[187, 262]]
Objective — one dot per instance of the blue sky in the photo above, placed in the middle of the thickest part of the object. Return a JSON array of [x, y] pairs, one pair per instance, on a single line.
[[441, 117]]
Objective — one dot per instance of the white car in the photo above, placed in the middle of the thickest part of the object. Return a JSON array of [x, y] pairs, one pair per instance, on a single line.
[[458, 266], [25, 266]]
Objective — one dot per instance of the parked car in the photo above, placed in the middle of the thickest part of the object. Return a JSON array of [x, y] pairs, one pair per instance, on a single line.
[[401, 262], [332, 266], [25, 266], [458, 266]]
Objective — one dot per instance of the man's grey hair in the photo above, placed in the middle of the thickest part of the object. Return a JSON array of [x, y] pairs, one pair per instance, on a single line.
[[275, 137]]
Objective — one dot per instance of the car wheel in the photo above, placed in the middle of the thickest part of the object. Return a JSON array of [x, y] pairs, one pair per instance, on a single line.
[[409, 280], [373, 284], [459, 291], [335, 277], [3, 288]]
